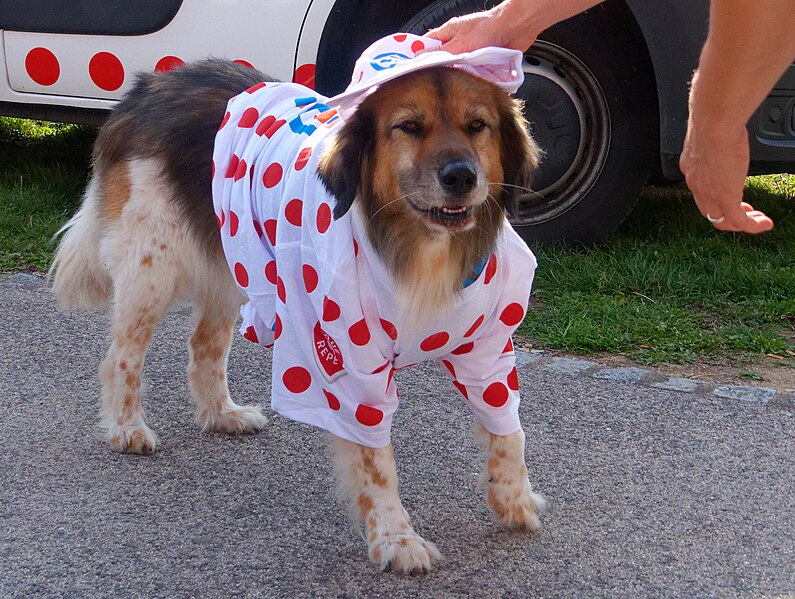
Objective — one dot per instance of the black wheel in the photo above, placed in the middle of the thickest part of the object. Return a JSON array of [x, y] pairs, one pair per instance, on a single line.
[[590, 99]]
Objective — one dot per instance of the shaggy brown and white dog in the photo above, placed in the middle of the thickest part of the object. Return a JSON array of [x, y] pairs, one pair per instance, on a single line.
[[146, 236]]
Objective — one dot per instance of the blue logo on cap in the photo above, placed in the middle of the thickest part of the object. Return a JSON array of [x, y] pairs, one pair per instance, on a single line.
[[388, 60]]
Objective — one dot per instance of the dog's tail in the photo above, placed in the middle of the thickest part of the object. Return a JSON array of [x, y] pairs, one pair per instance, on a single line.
[[79, 276]]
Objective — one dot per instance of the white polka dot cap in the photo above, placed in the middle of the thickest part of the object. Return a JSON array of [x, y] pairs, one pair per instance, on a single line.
[[396, 55]]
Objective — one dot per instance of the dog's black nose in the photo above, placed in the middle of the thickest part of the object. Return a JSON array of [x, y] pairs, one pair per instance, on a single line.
[[457, 177]]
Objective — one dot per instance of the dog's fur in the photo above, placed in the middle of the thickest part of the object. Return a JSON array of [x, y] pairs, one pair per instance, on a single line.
[[146, 236]]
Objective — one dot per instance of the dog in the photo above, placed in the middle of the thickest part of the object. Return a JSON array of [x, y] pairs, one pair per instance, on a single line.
[[422, 174]]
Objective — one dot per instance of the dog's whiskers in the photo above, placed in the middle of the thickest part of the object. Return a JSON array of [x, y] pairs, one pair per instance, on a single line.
[[392, 202], [526, 189]]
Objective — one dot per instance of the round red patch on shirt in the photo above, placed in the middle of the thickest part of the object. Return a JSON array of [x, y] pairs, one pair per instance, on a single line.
[[513, 379], [42, 66], [475, 326], [241, 274], [333, 402], [251, 335], [244, 63], [234, 222], [508, 346], [389, 329], [305, 75], [435, 341], [280, 291], [272, 175], [257, 226], [303, 158], [106, 71], [168, 63], [462, 389], [463, 349], [227, 116], [399, 37], [449, 367], [368, 415], [359, 333], [496, 395], [293, 210], [323, 217], [268, 126], [231, 169], [331, 310], [512, 314], [241, 169], [297, 379], [416, 46], [255, 87], [270, 230], [310, 278], [271, 272], [249, 118], [277, 328], [491, 269]]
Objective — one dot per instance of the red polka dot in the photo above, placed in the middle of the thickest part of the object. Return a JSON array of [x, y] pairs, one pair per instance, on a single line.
[[491, 269], [218, 220], [268, 126], [227, 116], [303, 158], [293, 210], [389, 378], [106, 71], [305, 75], [254, 88], [270, 230], [462, 389], [231, 169], [513, 380], [277, 328], [323, 218], [257, 226], [389, 329], [297, 379], [271, 272], [359, 333], [272, 175], [331, 310], [496, 395], [332, 400], [400, 37], [280, 290], [475, 326], [508, 346], [42, 66], [449, 367], [512, 314], [249, 118], [241, 169], [223, 218], [168, 63], [416, 46], [463, 349], [368, 415], [241, 274], [251, 335], [435, 341], [355, 248], [381, 368], [244, 63], [234, 223], [310, 278]]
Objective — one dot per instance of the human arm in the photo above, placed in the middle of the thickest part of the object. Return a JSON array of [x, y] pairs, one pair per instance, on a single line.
[[748, 47], [511, 24]]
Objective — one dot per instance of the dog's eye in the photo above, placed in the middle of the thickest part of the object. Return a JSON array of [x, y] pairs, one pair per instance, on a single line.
[[476, 126], [410, 127]]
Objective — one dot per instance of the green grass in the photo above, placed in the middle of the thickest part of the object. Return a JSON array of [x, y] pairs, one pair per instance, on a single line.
[[669, 288], [666, 288]]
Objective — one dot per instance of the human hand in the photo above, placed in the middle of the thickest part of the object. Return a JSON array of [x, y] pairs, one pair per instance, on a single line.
[[495, 27], [715, 163]]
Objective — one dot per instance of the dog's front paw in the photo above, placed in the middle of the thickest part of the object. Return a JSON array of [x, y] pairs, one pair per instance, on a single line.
[[138, 439], [515, 504], [406, 553], [234, 419]]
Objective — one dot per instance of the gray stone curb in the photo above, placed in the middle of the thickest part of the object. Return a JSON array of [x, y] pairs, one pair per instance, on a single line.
[[572, 367]]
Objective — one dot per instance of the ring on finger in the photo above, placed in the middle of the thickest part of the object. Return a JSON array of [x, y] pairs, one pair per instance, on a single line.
[[715, 221]]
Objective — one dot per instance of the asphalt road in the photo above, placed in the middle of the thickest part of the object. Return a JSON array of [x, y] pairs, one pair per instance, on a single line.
[[651, 493]]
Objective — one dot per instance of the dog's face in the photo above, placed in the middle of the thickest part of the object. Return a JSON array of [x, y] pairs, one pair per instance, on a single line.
[[439, 150]]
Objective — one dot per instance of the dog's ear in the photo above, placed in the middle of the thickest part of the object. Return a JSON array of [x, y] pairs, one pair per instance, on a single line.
[[520, 154], [342, 167]]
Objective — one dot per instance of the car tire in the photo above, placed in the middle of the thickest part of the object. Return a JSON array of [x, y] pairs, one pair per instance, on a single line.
[[591, 102]]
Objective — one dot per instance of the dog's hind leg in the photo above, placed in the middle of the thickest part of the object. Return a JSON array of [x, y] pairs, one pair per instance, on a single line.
[[508, 490], [216, 312], [367, 479]]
